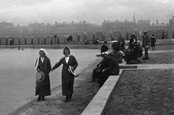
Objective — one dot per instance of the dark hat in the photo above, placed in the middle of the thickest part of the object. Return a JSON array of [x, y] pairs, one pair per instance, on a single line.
[[132, 34], [110, 55], [105, 41], [136, 43], [115, 44], [39, 76], [144, 32]]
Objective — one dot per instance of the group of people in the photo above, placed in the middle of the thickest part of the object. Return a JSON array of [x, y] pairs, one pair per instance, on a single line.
[[109, 64], [146, 44], [136, 50], [43, 65]]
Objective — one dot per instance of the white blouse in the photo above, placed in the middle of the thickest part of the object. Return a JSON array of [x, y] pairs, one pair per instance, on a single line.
[[42, 59], [67, 59]]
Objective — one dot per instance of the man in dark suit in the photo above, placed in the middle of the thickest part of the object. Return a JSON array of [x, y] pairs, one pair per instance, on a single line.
[[152, 42], [104, 47], [145, 44]]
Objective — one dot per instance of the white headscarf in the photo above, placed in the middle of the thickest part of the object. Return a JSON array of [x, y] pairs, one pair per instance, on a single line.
[[37, 61], [42, 49]]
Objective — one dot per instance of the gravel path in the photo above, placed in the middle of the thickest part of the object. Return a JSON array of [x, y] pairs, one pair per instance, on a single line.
[[84, 91]]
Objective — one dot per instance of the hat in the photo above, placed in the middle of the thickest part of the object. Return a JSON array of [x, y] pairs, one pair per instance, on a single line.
[[104, 53], [144, 32], [136, 43], [71, 71], [132, 34], [39, 76]]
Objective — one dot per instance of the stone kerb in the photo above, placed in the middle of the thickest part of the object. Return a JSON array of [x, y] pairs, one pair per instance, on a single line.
[[98, 103]]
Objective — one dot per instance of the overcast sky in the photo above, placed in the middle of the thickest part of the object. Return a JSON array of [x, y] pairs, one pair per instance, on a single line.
[[93, 11]]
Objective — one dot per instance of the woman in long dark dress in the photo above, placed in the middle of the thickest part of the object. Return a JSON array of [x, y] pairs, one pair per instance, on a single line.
[[43, 64], [67, 77]]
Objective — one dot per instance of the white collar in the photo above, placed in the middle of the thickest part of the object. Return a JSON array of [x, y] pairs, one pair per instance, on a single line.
[[66, 59]]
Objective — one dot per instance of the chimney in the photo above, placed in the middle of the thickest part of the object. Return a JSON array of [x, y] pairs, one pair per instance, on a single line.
[[156, 21]]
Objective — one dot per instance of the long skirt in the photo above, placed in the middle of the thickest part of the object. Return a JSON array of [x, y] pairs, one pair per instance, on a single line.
[[43, 88]]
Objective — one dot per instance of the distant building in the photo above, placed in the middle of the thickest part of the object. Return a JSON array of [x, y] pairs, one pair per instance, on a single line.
[[36, 29], [160, 26], [6, 28], [171, 23], [143, 25], [76, 27], [118, 25]]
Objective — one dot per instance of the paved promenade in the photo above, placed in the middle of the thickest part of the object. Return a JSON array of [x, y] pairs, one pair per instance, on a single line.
[[84, 92], [55, 105]]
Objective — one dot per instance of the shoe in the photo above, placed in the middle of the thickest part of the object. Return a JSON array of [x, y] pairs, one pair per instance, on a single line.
[[43, 98], [67, 99], [145, 58], [39, 98], [70, 97]]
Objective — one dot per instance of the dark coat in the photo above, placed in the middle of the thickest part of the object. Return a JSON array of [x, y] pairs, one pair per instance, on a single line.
[[104, 48], [118, 56], [43, 88], [113, 69], [152, 40], [102, 65], [145, 41], [67, 78], [131, 44]]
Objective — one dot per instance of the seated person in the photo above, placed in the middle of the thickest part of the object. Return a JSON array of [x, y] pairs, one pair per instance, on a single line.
[[131, 40], [117, 52], [133, 54], [112, 69], [102, 65], [104, 47], [122, 44]]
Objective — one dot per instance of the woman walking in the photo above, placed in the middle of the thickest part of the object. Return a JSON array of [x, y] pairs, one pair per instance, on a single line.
[[43, 67], [69, 62]]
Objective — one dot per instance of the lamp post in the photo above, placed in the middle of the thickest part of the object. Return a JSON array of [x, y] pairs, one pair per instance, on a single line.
[[110, 41]]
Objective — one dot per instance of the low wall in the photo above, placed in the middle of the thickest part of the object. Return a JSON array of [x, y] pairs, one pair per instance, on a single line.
[[96, 106]]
